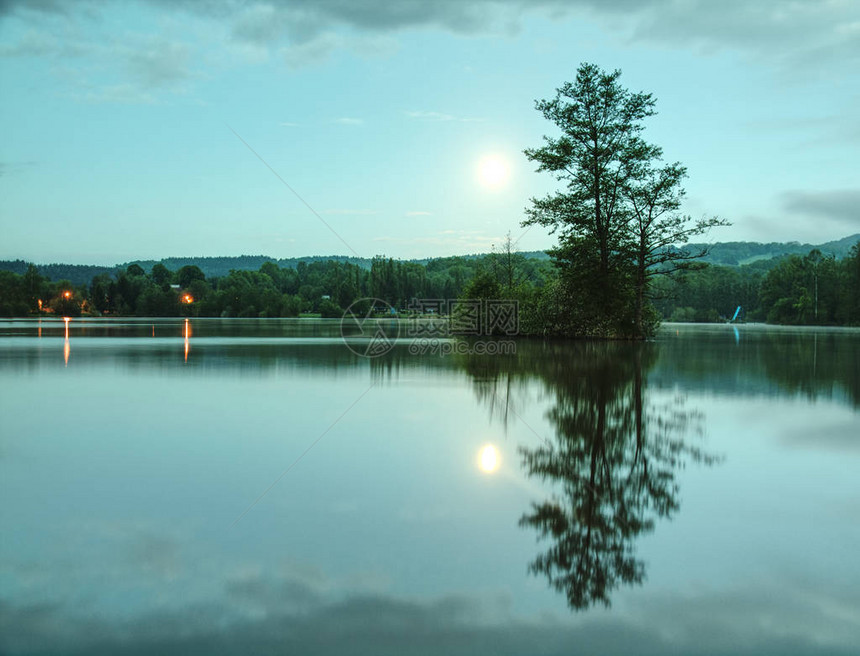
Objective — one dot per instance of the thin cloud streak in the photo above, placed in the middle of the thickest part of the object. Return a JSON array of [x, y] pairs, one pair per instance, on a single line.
[[841, 205]]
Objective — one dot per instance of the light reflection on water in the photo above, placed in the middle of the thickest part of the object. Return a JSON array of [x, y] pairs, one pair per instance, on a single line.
[[67, 348], [124, 467]]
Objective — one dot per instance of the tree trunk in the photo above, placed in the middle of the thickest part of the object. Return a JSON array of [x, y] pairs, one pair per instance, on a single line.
[[640, 296]]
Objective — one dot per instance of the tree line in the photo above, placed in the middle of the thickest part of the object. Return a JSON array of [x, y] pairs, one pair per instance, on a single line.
[[323, 287], [813, 289], [808, 290]]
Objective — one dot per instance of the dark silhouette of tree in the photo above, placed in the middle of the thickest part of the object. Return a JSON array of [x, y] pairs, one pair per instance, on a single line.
[[161, 275], [600, 124], [135, 270], [188, 274], [617, 214], [103, 291]]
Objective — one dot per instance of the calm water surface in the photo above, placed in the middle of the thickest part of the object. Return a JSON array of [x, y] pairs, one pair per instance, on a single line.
[[256, 487]]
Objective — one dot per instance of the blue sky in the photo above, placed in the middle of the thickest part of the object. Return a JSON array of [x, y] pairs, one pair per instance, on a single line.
[[120, 120]]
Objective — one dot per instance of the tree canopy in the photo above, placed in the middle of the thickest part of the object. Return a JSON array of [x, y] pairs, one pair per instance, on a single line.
[[618, 215]]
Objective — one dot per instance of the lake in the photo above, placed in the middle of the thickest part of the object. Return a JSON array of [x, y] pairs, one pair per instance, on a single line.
[[258, 486]]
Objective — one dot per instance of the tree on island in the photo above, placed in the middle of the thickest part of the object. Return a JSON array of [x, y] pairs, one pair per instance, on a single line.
[[617, 218]]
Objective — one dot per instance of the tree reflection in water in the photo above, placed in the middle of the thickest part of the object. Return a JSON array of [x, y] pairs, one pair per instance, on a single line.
[[611, 464]]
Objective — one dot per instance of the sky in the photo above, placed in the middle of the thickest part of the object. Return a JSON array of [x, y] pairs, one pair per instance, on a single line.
[[150, 129]]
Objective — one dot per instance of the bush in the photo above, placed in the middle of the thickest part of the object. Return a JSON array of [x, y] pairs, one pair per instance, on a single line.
[[330, 310]]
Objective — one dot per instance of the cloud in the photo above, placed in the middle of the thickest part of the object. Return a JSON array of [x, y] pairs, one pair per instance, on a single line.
[[802, 32], [8, 7], [419, 213], [123, 94], [836, 129], [797, 32], [282, 615], [840, 205], [349, 121], [263, 23], [42, 42], [275, 594], [302, 20], [154, 554], [32, 43], [288, 124], [130, 68], [7, 168], [157, 62], [841, 434], [311, 51]]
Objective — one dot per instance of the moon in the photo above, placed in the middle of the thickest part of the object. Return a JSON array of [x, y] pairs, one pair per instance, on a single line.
[[488, 459], [493, 171]]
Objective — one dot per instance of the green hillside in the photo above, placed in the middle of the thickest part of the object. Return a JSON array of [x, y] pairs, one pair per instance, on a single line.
[[733, 253], [738, 253]]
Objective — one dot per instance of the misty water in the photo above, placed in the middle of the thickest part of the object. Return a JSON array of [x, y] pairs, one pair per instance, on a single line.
[[255, 486]]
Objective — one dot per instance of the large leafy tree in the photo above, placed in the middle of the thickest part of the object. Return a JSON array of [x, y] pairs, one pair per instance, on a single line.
[[617, 215], [189, 273], [600, 125]]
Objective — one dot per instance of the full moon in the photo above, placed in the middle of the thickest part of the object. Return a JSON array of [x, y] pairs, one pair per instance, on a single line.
[[488, 459], [493, 171]]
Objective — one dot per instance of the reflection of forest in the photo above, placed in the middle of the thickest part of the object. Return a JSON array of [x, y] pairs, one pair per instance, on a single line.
[[816, 363], [750, 361], [612, 461]]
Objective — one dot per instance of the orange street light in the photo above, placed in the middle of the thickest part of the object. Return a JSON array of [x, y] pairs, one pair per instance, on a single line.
[[67, 294], [187, 298]]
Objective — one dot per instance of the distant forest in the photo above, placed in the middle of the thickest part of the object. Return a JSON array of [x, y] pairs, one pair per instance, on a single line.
[[732, 253], [212, 267], [782, 283]]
